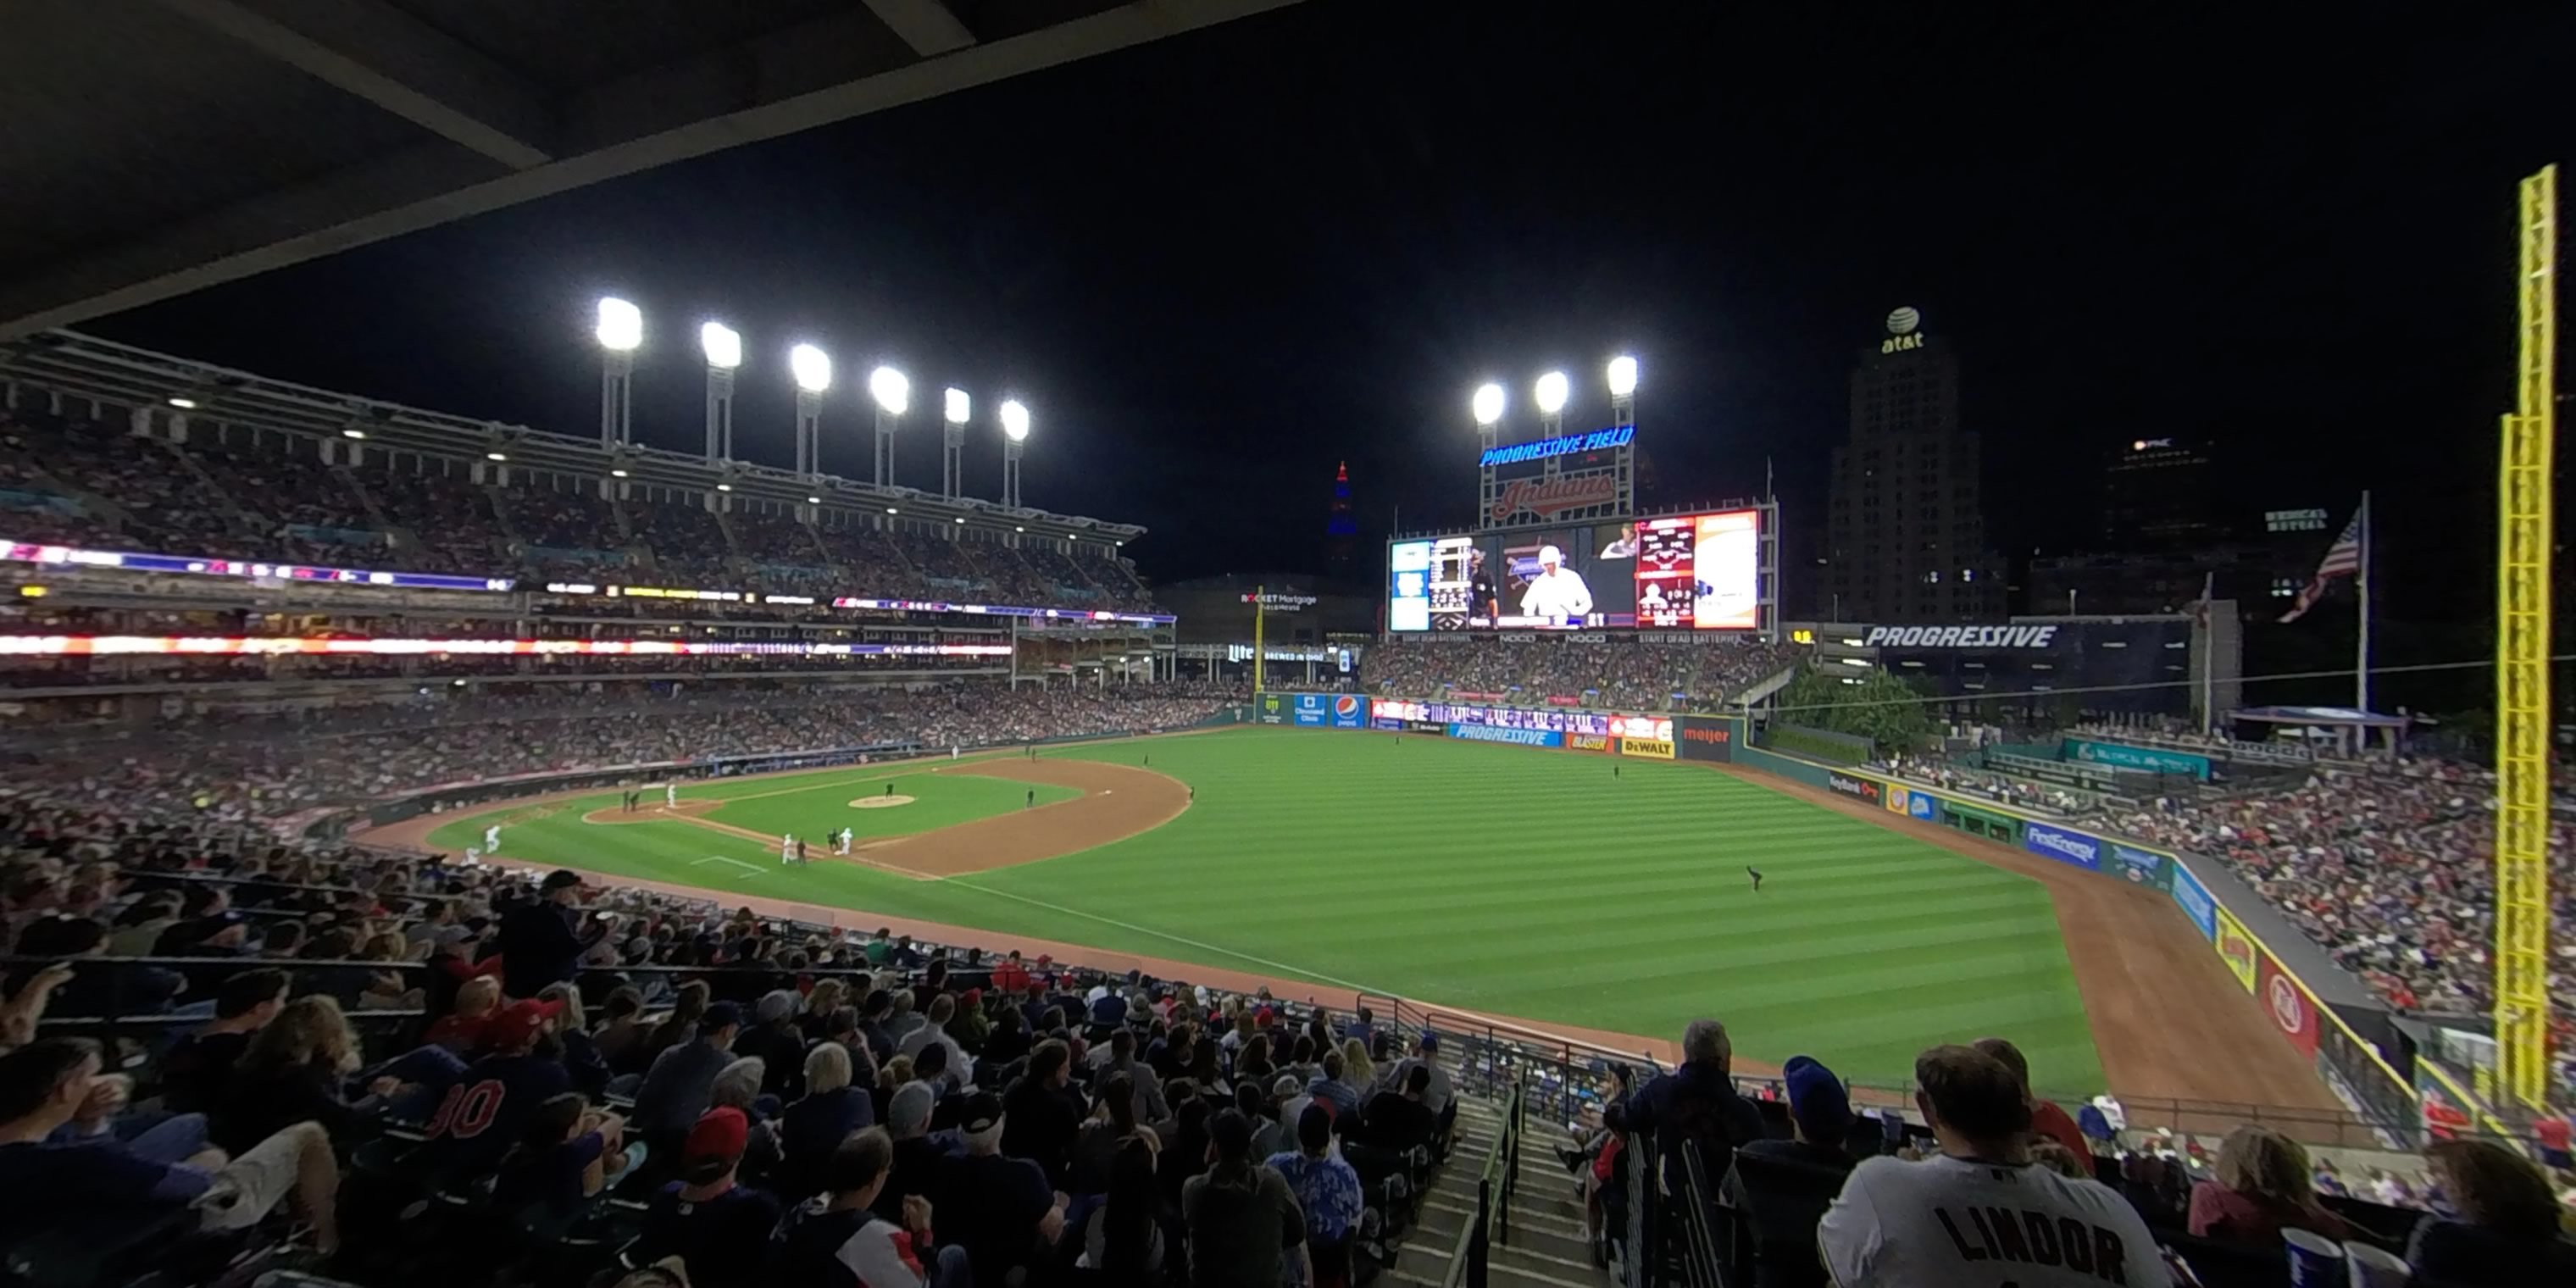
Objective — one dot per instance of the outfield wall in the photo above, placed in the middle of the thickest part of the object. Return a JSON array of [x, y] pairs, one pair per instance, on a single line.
[[2325, 1021]]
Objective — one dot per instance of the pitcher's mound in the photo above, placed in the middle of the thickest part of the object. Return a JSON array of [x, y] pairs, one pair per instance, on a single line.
[[880, 802]]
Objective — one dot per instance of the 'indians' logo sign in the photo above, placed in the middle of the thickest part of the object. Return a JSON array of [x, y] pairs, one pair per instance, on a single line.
[[1548, 497]]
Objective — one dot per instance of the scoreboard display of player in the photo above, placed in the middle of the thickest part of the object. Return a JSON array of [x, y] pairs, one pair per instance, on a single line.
[[1700, 571]]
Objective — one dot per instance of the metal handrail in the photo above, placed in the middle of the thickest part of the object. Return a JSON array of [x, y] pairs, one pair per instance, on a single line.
[[1470, 1254]]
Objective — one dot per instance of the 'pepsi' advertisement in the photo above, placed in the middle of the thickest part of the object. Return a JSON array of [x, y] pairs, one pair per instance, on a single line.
[[1328, 710]]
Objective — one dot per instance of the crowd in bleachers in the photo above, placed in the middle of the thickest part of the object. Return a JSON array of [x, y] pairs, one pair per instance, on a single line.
[[69, 480], [235, 770], [2389, 866], [1940, 771], [1805, 1190], [1626, 674], [405, 1070]]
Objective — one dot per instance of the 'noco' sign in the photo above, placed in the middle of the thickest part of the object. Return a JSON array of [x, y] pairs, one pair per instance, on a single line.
[[1599, 440]]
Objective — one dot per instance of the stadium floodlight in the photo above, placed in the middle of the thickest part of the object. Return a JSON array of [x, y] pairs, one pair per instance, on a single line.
[[621, 325], [813, 368], [1623, 376], [353, 433], [890, 389], [1551, 393], [1015, 420], [723, 345], [495, 456], [958, 407], [1488, 403], [184, 403]]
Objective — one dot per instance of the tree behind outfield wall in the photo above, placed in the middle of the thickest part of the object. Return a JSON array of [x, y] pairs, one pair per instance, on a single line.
[[1881, 707]]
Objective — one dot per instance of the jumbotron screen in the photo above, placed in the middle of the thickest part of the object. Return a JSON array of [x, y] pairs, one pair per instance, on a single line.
[[1700, 571], [1545, 579]]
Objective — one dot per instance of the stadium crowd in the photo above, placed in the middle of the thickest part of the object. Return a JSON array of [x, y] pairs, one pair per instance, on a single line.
[[66, 479], [583, 1080], [236, 770], [1633, 675], [2388, 865]]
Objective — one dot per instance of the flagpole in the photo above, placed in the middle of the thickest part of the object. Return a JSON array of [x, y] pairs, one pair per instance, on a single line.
[[2208, 656], [2361, 582]]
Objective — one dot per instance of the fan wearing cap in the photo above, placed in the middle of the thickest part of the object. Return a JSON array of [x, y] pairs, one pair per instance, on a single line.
[[542, 940], [487, 1108], [1000, 1208], [1557, 592], [719, 1229], [1820, 1116]]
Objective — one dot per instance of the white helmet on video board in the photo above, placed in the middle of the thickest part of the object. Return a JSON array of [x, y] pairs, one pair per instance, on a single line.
[[1551, 555]]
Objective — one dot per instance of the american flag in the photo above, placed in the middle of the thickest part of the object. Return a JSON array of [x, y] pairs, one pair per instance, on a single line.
[[2343, 559]]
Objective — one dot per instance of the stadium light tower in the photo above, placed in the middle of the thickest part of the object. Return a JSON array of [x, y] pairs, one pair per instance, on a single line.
[[813, 371], [1488, 407], [1623, 390], [954, 409], [724, 353], [1015, 436], [621, 329], [893, 395], [1550, 396]]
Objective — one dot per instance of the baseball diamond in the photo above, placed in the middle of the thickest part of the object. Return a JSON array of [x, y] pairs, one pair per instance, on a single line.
[[1514, 882]]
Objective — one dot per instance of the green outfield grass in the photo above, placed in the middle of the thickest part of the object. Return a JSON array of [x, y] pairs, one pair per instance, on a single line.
[[1513, 881]]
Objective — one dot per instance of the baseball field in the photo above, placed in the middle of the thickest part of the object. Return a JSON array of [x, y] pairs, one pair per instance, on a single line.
[[1517, 883]]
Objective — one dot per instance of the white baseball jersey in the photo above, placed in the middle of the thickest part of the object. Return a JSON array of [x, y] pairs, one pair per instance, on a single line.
[[491, 839], [671, 795], [1956, 1223], [1557, 594]]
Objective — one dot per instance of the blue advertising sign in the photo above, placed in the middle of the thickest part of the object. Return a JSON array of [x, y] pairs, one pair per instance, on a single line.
[[1311, 709], [1350, 711], [2123, 756], [1599, 440], [2140, 867], [1922, 805], [2051, 842], [1517, 737], [2195, 901]]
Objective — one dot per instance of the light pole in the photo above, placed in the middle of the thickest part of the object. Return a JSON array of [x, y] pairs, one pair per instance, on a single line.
[[1623, 390], [1488, 407], [893, 395], [954, 408], [724, 353], [1015, 435], [813, 370], [621, 329], [1550, 395]]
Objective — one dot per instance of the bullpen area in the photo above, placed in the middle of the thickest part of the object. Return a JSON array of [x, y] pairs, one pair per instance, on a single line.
[[1611, 894]]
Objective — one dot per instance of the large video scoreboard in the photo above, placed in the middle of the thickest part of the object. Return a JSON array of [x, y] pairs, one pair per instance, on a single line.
[[1676, 572]]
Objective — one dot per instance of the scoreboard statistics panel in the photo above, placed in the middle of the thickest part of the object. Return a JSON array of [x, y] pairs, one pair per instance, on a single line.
[[1700, 571]]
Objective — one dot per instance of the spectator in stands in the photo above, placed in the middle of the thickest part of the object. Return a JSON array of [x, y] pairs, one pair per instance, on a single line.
[[291, 1073], [689, 1005], [917, 1158], [1095, 1146], [461, 1029], [1820, 1118], [1044, 1112], [2045, 1118], [1330, 1085], [1903, 1223], [196, 1068], [717, 1227], [1121, 1059], [1400, 1120], [676, 1091], [1123, 1236], [1241, 1216], [1000, 1208], [813, 1127], [542, 941], [43, 1086], [485, 1108], [567, 1155], [836, 1240], [936, 1019], [1327, 1192], [774, 1040], [1694, 1105], [2507, 1230], [2264, 1184]]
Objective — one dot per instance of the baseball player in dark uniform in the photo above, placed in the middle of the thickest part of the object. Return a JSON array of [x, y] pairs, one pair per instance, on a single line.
[[1482, 601], [1756, 874]]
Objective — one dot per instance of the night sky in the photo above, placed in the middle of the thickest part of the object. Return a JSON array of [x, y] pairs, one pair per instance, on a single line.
[[1217, 264]]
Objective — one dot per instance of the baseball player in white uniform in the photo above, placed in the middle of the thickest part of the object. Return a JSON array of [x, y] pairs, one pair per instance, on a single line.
[[670, 795], [492, 839]]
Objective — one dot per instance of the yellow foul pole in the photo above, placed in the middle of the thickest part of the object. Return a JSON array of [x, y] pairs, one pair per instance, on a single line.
[[2522, 661]]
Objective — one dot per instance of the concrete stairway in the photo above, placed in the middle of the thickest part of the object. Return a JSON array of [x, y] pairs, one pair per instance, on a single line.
[[1544, 1245]]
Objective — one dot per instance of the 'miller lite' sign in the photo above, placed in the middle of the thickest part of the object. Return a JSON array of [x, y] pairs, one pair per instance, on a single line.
[[1960, 636]]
